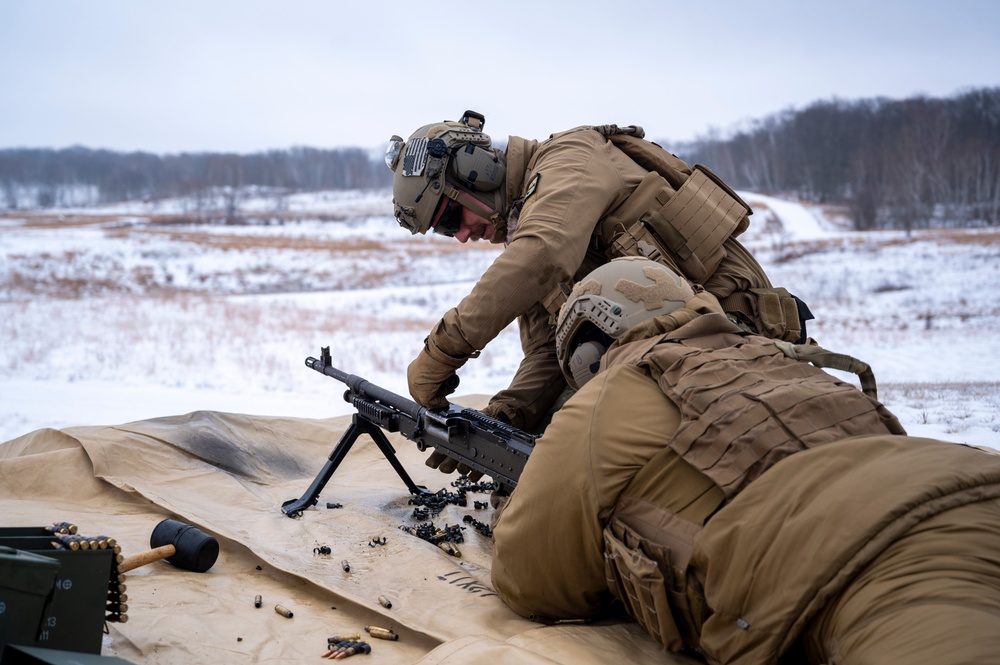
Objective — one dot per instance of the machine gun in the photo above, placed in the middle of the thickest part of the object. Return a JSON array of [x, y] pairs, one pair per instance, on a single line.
[[470, 437]]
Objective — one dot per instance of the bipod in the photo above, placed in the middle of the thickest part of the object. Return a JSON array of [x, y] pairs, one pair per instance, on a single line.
[[359, 426]]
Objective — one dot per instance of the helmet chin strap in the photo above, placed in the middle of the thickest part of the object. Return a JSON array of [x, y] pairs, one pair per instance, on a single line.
[[488, 211]]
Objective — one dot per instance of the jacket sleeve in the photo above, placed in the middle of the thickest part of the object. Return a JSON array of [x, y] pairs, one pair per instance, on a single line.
[[538, 381]]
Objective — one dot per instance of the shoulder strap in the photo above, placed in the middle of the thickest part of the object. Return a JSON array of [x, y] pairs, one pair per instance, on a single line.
[[820, 357]]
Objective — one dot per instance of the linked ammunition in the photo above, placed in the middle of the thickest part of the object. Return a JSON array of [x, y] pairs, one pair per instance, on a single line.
[[384, 602], [283, 611], [346, 566], [346, 648], [381, 633], [62, 527], [257, 600], [350, 651]]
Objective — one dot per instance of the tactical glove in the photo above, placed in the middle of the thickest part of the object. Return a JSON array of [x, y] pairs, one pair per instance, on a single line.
[[428, 376], [441, 462]]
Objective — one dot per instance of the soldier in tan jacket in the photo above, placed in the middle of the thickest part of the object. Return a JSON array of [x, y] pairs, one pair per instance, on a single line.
[[563, 207], [740, 503]]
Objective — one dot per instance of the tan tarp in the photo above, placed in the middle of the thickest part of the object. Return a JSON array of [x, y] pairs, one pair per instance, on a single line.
[[228, 474]]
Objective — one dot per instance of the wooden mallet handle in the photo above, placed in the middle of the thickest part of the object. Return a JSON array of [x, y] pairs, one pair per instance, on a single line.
[[149, 556]]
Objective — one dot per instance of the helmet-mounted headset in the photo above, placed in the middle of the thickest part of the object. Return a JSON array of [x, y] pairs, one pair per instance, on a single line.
[[447, 159]]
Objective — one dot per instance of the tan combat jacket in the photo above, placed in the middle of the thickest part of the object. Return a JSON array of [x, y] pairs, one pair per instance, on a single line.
[[568, 197], [644, 461]]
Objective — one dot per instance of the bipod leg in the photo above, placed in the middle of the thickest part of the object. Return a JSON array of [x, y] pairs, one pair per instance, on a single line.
[[294, 507], [390, 454], [359, 426]]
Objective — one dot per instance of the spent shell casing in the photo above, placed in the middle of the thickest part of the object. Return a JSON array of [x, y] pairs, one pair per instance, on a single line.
[[450, 548], [384, 602], [381, 633], [353, 637], [346, 566], [283, 611], [257, 600]]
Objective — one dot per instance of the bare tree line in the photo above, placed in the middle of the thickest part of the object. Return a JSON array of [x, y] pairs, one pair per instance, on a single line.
[[82, 176], [909, 163]]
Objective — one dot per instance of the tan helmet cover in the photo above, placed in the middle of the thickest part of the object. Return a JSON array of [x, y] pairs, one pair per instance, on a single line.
[[612, 299], [453, 159]]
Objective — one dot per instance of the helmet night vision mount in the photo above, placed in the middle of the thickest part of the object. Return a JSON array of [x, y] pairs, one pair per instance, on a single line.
[[446, 159]]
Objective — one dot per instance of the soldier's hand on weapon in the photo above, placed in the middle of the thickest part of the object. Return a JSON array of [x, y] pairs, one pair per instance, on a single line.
[[444, 464], [441, 462], [431, 376]]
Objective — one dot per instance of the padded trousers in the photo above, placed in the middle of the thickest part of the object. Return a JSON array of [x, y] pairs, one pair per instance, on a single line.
[[932, 597]]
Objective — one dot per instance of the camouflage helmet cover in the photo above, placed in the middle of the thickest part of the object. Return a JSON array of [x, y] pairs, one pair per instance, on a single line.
[[447, 158], [609, 301]]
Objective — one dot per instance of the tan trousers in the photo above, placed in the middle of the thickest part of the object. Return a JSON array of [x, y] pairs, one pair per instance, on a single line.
[[933, 597]]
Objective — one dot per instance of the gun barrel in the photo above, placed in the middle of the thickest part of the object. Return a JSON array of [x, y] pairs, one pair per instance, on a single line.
[[367, 389]]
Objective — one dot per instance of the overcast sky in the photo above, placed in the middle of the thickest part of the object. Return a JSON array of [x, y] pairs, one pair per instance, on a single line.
[[168, 76]]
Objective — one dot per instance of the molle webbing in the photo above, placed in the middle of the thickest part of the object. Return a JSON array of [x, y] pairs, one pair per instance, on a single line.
[[695, 221], [745, 407]]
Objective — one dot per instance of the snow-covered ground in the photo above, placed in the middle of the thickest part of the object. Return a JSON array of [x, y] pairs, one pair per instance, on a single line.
[[113, 315]]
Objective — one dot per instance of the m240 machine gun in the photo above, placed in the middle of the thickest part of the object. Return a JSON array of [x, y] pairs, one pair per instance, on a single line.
[[466, 435]]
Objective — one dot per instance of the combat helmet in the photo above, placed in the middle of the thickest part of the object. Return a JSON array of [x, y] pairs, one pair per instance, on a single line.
[[605, 304], [446, 159]]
